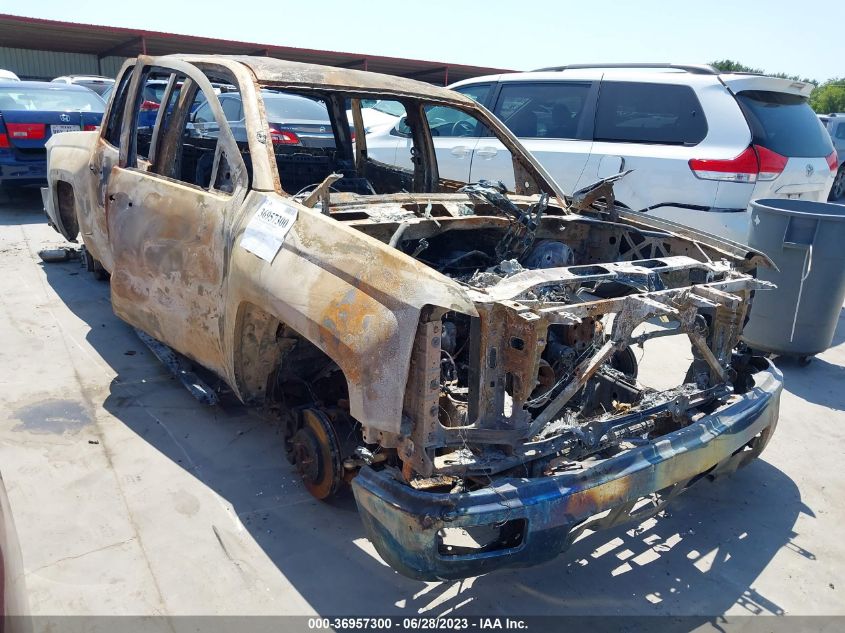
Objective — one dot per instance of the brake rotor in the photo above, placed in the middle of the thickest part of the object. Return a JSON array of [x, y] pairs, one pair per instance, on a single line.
[[316, 454]]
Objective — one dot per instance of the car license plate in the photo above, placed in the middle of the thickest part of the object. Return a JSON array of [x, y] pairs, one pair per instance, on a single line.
[[56, 129]]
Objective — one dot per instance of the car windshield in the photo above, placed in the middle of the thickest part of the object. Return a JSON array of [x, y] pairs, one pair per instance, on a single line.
[[389, 107], [18, 97], [784, 123], [282, 107], [96, 85]]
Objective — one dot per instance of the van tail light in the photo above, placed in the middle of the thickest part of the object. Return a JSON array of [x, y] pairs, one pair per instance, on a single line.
[[283, 137], [755, 163], [91, 128], [149, 106], [4, 141], [832, 161], [772, 164], [26, 131]]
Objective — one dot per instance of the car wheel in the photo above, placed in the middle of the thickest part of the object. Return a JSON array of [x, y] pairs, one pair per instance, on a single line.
[[838, 189]]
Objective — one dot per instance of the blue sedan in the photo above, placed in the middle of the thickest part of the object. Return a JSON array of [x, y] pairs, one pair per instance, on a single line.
[[30, 113]]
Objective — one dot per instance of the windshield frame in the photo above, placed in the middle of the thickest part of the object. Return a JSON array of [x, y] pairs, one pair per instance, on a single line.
[[531, 178]]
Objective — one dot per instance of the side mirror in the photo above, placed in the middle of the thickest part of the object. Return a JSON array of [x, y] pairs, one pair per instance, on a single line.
[[402, 128]]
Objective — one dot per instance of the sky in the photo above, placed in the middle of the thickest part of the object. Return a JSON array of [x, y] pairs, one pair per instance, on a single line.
[[776, 35]]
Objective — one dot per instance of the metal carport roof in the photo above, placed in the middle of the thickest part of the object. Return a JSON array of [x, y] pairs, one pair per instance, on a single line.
[[104, 41]]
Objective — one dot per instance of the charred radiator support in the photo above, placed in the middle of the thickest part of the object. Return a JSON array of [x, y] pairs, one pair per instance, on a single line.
[[422, 398], [506, 343]]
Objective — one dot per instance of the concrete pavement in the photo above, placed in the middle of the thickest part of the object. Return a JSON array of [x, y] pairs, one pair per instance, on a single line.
[[132, 498]]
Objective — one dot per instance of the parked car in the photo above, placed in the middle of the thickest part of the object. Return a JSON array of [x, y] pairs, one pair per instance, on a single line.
[[835, 125], [458, 350], [8, 75], [294, 120], [93, 82], [701, 144], [31, 113], [152, 94], [150, 102]]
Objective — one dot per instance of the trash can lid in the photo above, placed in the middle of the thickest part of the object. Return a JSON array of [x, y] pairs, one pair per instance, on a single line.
[[802, 208]]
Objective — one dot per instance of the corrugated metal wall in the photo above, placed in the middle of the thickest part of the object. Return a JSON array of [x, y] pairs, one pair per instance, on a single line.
[[45, 65], [111, 65]]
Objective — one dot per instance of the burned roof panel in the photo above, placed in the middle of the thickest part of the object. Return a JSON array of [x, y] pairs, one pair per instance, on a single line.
[[288, 73]]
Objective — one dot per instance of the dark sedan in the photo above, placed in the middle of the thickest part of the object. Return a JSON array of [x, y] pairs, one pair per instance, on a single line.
[[31, 112]]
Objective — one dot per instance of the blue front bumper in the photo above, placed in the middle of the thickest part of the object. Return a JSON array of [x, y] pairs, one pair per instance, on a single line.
[[22, 172], [545, 514]]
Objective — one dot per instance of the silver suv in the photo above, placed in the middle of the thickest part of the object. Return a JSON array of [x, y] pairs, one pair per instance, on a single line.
[[93, 82], [835, 124], [701, 144]]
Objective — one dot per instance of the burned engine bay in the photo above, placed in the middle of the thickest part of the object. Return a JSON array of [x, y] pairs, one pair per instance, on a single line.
[[545, 375]]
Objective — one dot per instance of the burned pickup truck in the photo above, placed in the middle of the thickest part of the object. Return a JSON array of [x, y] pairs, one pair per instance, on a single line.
[[459, 352]]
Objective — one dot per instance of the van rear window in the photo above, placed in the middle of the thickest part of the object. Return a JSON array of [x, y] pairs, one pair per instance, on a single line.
[[666, 114], [784, 123]]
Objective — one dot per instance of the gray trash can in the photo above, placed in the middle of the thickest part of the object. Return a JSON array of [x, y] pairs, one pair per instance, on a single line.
[[806, 240]]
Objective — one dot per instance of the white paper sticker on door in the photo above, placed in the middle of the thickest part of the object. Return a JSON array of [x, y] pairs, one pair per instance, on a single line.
[[266, 231]]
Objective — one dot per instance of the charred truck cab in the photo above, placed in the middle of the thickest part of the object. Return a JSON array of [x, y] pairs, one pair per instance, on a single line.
[[460, 350]]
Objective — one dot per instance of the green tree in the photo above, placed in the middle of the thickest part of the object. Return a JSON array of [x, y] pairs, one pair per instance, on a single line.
[[806, 80], [731, 66], [829, 97]]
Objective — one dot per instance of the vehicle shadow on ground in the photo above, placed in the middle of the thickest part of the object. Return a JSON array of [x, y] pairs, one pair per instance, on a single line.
[[701, 559], [22, 206], [819, 382]]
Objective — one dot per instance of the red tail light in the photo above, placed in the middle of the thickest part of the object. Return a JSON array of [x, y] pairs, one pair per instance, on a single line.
[[833, 161], [26, 131], [148, 106], [772, 164], [755, 163], [283, 137], [91, 128], [4, 141]]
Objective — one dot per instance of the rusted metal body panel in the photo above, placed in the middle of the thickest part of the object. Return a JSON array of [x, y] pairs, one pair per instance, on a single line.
[[461, 343], [352, 296], [277, 71], [167, 246]]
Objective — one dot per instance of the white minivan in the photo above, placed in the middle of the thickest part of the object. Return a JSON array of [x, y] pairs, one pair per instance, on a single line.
[[701, 144]]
